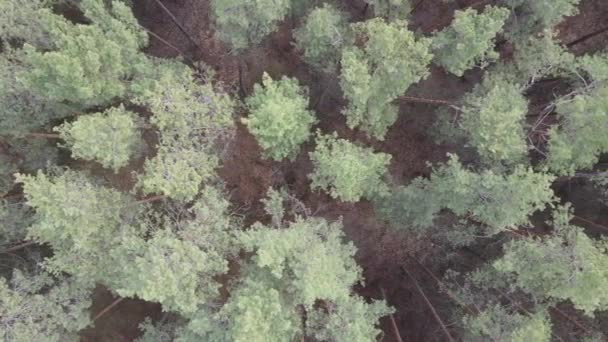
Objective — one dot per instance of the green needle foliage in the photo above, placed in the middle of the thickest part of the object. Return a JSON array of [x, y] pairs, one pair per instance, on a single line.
[[567, 265], [497, 201], [243, 23], [79, 219], [492, 116], [581, 136], [536, 16], [111, 137], [469, 40], [496, 323], [39, 308], [278, 117], [390, 9], [91, 64], [20, 22], [347, 171], [195, 122], [322, 37], [378, 72], [15, 218]]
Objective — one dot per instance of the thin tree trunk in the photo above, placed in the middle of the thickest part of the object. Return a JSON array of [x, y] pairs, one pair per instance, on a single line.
[[43, 135], [587, 36], [425, 100], [392, 318], [430, 305], [108, 308], [416, 6], [176, 22], [18, 247]]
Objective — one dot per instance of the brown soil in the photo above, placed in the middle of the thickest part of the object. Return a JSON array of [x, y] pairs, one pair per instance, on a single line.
[[382, 252]]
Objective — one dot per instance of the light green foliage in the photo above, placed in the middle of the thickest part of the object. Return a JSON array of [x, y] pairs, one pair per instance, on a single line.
[[310, 255], [195, 122], [274, 205], [391, 9], [595, 66], [38, 308], [22, 111], [15, 218], [322, 37], [567, 265], [111, 137], [492, 115], [469, 40], [178, 169], [20, 20], [351, 319], [347, 171], [498, 201], [278, 117], [169, 271], [497, 324], [242, 23], [79, 219], [535, 16], [536, 57], [91, 64], [377, 73], [581, 136]]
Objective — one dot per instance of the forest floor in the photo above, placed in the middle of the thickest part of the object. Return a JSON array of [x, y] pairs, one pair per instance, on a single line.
[[382, 252]]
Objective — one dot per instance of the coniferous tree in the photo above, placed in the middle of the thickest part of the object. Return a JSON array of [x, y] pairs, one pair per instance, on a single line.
[[242, 23], [469, 40], [497, 201], [580, 138], [376, 73], [39, 308], [279, 118], [111, 137], [91, 64], [322, 37], [390, 9], [567, 265], [347, 171]]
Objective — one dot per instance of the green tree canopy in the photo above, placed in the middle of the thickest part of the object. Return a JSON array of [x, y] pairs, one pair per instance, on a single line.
[[322, 37], [111, 137], [379, 71], [390, 9], [492, 116], [278, 117], [566, 265], [469, 40], [577, 142], [91, 64], [497, 201], [347, 171], [496, 323], [536, 16], [242, 23], [39, 308]]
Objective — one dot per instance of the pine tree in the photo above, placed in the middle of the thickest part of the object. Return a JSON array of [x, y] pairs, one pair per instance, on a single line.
[[243, 23], [111, 137], [347, 171], [492, 116], [15, 218], [469, 40], [39, 308], [322, 37], [580, 138], [537, 16], [195, 123], [80, 220], [497, 201], [496, 323], [91, 64], [378, 72], [566, 265], [390, 9], [20, 22], [278, 117]]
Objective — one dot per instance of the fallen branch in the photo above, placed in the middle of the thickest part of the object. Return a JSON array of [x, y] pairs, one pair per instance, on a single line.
[[18, 247], [181, 28], [392, 318], [425, 100], [108, 308], [431, 307], [587, 36]]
